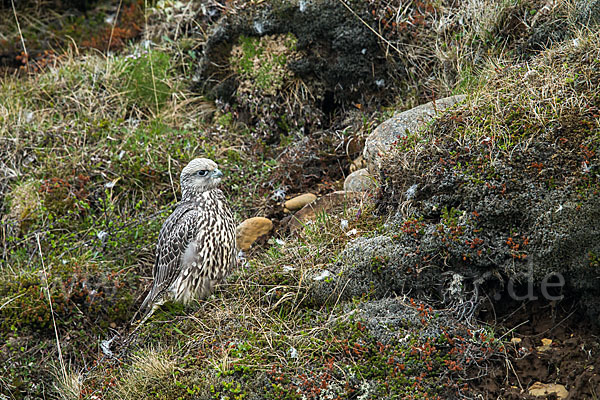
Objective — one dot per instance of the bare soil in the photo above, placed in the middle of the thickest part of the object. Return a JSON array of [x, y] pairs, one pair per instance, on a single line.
[[571, 360]]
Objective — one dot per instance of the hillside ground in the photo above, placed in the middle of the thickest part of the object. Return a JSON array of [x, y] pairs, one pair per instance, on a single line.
[[95, 127]]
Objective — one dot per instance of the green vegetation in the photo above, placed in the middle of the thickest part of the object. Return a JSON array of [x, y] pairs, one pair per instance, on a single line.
[[262, 62], [148, 76], [99, 142]]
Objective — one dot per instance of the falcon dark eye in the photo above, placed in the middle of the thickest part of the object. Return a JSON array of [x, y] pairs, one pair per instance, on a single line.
[[202, 172]]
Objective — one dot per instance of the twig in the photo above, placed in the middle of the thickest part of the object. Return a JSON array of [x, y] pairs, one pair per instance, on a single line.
[[171, 179], [7, 302], [514, 372], [150, 58], [114, 25], [60, 356], [513, 329], [371, 28], [12, 2]]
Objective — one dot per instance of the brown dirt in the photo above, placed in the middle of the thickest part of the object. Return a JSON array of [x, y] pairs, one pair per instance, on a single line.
[[571, 360]]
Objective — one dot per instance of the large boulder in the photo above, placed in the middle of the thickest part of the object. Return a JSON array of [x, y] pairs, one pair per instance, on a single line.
[[386, 135], [336, 55]]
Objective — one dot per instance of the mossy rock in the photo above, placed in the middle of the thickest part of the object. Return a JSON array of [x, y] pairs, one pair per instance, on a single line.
[[338, 57], [492, 199]]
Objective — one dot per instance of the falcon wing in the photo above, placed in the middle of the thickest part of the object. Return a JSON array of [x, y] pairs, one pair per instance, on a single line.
[[177, 232]]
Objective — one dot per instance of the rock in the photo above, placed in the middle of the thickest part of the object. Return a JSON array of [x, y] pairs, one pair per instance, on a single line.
[[546, 345], [357, 164], [326, 203], [386, 134], [300, 201], [359, 181], [540, 389], [251, 229], [336, 56]]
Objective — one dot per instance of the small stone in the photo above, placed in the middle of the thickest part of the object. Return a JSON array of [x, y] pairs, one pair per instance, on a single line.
[[344, 224], [546, 345], [300, 201], [328, 204], [357, 164], [293, 352], [251, 229], [548, 389], [102, 235], [359, 181], [113, 325]]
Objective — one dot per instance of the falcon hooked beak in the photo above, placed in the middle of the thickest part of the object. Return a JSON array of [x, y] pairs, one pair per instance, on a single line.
[[216, 174]]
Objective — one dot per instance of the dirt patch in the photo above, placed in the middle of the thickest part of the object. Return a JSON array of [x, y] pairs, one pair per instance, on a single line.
[[571, 359]]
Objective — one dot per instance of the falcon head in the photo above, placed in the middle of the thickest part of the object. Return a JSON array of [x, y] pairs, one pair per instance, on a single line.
[[200, 175]]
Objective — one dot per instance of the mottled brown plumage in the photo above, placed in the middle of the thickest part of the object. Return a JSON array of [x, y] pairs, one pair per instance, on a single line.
[[196, 244]]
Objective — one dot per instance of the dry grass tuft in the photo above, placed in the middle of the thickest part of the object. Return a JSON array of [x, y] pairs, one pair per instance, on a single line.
[[147, 369], [69, 387], [25, 202], [560, 83]]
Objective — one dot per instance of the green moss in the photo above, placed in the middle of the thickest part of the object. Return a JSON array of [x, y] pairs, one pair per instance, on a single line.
[[261, 62], [148, 79]]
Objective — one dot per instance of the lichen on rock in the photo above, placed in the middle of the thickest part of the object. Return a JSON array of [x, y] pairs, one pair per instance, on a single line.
[[287, 66], [261, 63]]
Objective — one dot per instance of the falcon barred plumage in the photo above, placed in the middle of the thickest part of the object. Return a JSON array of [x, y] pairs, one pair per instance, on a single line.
[[196, 244]]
